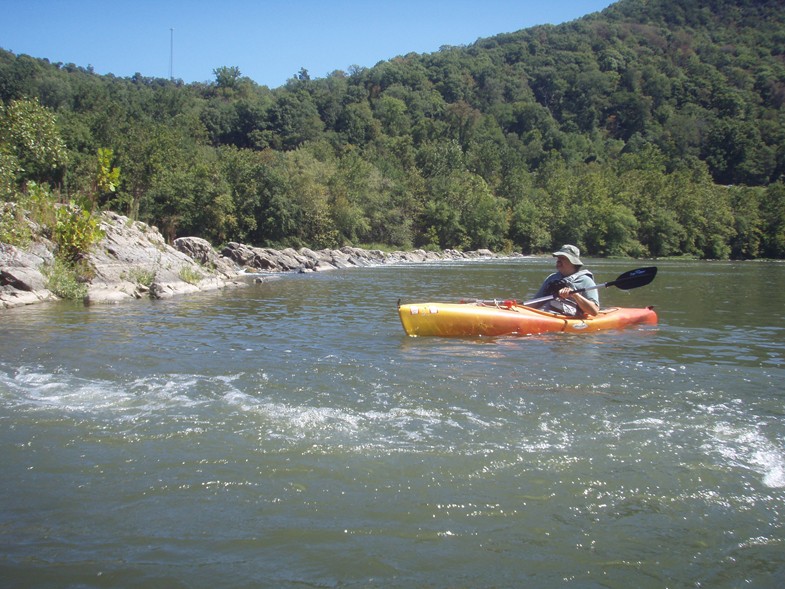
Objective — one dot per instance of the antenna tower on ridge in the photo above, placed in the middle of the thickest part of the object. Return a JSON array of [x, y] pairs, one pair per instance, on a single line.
[[171, 53]]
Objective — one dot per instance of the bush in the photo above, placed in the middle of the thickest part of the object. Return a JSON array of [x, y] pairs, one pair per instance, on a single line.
[[14, 229], [76, 230], [9, 168], [40, 205], [63, 280]]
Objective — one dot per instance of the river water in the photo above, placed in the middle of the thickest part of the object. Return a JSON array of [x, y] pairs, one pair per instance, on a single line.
[[290, 435]]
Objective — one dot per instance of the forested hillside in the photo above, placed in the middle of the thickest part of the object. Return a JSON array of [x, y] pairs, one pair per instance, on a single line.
[[653, 128]]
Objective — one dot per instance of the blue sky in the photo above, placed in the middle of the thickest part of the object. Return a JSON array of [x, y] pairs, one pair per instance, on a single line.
[[268, 40]]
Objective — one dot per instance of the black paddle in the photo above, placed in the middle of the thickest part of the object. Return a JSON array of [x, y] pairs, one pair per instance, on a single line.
[[627, 281]]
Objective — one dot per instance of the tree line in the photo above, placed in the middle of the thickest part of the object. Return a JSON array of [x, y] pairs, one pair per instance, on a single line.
[[653, 128]]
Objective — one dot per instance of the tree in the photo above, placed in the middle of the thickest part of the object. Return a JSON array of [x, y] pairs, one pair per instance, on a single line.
[[729, 147], [392, 114], [747, 222], [484, 215], [529, 228], [29, 133], [293, 120], [611, 225], [357, 124], [773, 214], [107, 176], [352, 188], [213, 215], [243, 172], [307, 190], [462, 119], [620, 132], [227, 77]]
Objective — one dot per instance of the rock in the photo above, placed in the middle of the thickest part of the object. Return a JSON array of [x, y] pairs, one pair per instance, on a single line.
[[21, 279], [289, 259], [131, 261], [134, 261], [240, 254], [314, 257], [202, 252], [196, 247]]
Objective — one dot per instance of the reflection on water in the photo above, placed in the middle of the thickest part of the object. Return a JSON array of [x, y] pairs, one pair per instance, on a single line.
[[289, 434]]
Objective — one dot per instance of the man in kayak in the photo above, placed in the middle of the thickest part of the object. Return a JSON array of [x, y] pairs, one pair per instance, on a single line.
[[570, 275]]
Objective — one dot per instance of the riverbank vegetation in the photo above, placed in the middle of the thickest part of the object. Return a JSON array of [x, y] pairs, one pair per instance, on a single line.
[[653, 128]]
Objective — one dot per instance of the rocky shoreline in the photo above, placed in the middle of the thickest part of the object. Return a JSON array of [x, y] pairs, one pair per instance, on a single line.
[[134, 261]]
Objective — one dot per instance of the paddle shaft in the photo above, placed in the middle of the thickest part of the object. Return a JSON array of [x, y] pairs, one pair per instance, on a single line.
[[551, 297]]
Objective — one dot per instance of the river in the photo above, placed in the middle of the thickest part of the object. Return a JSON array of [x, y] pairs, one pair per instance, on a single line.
[[290, 435]]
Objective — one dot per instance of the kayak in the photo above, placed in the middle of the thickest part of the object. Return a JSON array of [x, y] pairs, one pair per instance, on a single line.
[[508, 318]]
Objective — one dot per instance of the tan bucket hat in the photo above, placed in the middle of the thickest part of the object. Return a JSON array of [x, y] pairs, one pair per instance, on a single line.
[[572, 253]]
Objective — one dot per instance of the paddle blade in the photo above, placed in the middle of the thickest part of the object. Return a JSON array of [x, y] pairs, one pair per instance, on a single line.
[[634, 278]]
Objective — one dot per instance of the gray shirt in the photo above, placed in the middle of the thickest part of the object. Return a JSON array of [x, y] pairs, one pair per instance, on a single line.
[[581, 279]]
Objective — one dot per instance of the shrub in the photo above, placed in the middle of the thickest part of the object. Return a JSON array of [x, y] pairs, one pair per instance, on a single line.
[[40, 205], [76, 230], [14, 229], [64, 281]]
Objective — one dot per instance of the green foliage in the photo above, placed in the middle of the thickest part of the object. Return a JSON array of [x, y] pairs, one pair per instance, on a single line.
[[40, 205], [773, 217], [64, 280], [612, 228], [227, 77], [652, 128], [190, 275], [29, 133], [75, 232], [141, 276], [35, 205], [14, 230], [528, 227], [107, 177], [9, 170]]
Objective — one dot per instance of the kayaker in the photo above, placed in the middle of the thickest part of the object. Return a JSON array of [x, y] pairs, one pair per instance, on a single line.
[[570, 275]]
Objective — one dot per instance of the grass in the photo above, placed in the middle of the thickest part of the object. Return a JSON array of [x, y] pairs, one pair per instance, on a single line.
[[189, 275]]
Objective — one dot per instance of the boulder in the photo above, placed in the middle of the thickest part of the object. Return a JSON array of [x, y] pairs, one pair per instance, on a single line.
[[134, 261], [22, 281], [202, 252]]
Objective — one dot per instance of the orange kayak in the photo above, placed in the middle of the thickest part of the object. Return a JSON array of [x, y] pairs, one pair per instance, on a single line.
[[494, 319]]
